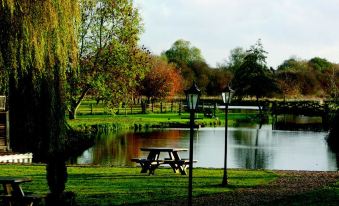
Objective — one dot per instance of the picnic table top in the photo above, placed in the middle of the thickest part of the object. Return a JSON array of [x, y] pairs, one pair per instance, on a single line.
[[163, 149], [11, 180]]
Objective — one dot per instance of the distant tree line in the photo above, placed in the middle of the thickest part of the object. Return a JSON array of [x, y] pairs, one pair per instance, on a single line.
[[248, 73], [316, 77]]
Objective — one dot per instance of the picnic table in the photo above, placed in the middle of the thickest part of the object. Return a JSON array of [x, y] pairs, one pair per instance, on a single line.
[[152, 161], [13, 193]]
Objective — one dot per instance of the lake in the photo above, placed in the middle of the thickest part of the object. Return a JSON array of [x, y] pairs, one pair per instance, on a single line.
[[250, 148]]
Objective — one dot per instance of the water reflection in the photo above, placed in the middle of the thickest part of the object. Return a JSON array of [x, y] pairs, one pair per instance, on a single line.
[[249, 152], [118, 148], [248, 148]]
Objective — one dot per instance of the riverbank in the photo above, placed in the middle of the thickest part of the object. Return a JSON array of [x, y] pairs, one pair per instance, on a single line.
[[95, 185], [158, 120]]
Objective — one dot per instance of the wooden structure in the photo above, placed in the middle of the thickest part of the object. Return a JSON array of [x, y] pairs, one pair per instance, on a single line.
[[307, 108], [301, 108], [4, 125], [152, 161], [13, 193]]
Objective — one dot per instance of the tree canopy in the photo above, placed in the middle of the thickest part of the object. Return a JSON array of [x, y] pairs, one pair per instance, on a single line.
[[182, 52], [320, 64], [108, 51], [235, 59], [192, 66], [314, 77], [163, 81], [253, 78], [42, 32], [38, 43]]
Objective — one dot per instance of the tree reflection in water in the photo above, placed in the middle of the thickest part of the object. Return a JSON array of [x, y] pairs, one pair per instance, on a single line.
[[247, 148], [117, 148], [250, 152]]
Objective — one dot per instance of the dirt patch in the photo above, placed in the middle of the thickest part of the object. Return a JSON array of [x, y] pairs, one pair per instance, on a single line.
[[289, 183]]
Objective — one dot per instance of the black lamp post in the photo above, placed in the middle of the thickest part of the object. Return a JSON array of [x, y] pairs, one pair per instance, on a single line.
[[226, 97], [192, 98]]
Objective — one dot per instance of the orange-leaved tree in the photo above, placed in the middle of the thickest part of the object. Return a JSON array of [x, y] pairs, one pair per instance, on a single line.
[[163, 81]]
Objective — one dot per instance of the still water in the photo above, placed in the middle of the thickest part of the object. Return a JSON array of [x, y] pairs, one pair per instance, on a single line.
[[250, 148]]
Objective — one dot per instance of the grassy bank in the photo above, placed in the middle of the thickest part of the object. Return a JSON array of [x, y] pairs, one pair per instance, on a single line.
[[162, 120], [116, 186], [161, 115]]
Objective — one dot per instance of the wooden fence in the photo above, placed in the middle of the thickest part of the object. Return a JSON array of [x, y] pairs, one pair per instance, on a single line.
[[2, 103]]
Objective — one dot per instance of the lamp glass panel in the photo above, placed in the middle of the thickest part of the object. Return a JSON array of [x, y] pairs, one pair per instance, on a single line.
[[225, 97], [192, 100]]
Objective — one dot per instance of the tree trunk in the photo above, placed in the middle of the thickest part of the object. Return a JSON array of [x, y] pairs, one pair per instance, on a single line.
[[76, 103], [38, 123], [56, 174], [72, 114], [143, 107], [259, 107], [261, 115], [56, 179], [73, 110]]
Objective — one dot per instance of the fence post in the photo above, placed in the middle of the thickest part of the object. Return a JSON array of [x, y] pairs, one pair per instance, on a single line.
[[214, 109], [180, 107], [152, 103], [143, 107], [8, 146]]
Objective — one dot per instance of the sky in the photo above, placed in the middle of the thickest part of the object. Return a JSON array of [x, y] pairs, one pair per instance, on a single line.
[[301, 29]]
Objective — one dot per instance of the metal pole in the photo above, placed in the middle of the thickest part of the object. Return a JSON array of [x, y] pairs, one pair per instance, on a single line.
[[224, 179], [190, 159]]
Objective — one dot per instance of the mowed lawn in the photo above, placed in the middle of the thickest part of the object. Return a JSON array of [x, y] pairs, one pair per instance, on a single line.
[[116, 186], [157, 120]]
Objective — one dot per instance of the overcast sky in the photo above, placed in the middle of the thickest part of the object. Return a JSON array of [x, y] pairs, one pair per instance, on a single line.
[[299, 28]]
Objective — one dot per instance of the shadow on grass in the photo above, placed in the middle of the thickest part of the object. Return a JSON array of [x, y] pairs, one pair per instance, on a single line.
[[318, 197]]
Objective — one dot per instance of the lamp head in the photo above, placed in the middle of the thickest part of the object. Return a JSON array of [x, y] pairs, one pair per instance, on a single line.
[[227, 95], [192, 96]]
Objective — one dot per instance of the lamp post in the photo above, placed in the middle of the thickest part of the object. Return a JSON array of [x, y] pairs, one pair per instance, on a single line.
[[192, 98], [226, 97]]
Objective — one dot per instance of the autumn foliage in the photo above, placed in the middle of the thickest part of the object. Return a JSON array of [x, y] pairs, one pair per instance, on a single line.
[[314, 78], [163, 81]]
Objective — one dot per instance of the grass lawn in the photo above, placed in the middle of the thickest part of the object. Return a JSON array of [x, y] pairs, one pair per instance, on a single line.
[[116, 186], [106, 119], [156, 120]]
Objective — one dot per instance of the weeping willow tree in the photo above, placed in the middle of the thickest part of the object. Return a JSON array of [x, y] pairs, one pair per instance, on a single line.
[[38, 43]]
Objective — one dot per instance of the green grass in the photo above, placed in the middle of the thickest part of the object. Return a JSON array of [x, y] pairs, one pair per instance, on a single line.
[[116, 186], [90, 113], [163, 120]]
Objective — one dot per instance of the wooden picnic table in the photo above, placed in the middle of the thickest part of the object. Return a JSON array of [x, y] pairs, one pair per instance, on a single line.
[[13, 193], [152, 161]]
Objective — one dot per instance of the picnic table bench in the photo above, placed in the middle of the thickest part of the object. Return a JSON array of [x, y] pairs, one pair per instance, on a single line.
[[152, 161], [13, 193]]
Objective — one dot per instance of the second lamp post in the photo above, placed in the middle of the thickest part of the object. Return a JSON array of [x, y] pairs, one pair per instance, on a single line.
[[226, 97], [192, 98]]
